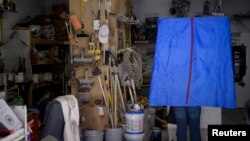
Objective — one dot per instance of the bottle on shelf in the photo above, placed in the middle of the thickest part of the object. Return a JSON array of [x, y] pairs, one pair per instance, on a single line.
[[24, 66], [20, 73], [33, 55]]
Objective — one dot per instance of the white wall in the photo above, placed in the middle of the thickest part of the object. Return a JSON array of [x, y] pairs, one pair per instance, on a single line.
[[143, 8]]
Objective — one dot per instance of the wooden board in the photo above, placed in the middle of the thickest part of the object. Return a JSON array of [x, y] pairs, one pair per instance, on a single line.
[[117, 6]]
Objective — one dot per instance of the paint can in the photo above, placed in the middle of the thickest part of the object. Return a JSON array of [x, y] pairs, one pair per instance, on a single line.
[[134, 122]]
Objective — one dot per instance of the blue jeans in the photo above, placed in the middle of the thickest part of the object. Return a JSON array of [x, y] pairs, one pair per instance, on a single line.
[[188, 116]]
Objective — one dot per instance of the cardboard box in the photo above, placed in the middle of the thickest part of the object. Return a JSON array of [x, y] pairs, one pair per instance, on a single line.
[[94, 117], [8, 118]]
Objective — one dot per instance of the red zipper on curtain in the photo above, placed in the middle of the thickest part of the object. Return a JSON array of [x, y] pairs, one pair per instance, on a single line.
[[191, 60]]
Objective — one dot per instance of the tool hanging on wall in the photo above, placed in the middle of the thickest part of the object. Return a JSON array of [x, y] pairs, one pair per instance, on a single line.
[[97, 20], [104, 29], [239, 59], [91, 49], [83, 34], [125, 19], [206, 8], [117, 81], [85, 84], [86, 80], [82, 60], [76, 51], [180, 8], [130, 92], [97, 72], [71, 39], [92, 10], [104, 34], [218, 11], [75, 22]]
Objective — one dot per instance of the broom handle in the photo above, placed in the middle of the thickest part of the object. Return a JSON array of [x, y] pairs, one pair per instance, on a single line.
[[115, 103], [133, 87], [120, 93], [105, 100], [130, 93]]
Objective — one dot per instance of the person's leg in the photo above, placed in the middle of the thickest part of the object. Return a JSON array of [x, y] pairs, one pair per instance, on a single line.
[[181, 122], [194, 123]]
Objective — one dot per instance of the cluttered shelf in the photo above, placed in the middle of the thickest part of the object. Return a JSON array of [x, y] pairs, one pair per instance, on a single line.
[[47, 63], [46, 84], [48, 41]]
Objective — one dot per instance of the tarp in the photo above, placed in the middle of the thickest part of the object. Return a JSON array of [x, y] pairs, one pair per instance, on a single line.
[[193, 63]]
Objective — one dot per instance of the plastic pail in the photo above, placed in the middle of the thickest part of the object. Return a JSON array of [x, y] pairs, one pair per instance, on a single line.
[[134, 122], [92, 135], [113, 134]]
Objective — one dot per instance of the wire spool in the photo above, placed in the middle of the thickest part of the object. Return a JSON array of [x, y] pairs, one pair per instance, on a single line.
[[132, 62], [76, 24]]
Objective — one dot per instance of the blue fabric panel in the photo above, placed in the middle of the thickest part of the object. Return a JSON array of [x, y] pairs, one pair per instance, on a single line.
[[212, 81]]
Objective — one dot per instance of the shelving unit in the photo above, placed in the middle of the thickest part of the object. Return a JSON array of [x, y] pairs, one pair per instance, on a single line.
[[49, 66]]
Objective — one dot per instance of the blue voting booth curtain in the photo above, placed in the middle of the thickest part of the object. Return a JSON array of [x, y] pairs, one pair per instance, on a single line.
[[193, 63]]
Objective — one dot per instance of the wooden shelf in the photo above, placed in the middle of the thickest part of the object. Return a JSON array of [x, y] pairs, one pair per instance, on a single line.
[[46, 41], [39, 64], [46, 84]]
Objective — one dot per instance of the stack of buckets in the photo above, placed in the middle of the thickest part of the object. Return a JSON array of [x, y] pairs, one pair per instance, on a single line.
[[111, 134], [134, 126]]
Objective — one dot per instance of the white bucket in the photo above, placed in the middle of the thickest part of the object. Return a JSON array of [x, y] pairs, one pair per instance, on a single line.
[[113, 134], [134, 137], [93, 135], [134, 122]]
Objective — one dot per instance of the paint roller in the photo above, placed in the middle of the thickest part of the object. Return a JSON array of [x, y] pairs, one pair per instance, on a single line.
[[75, 22]]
